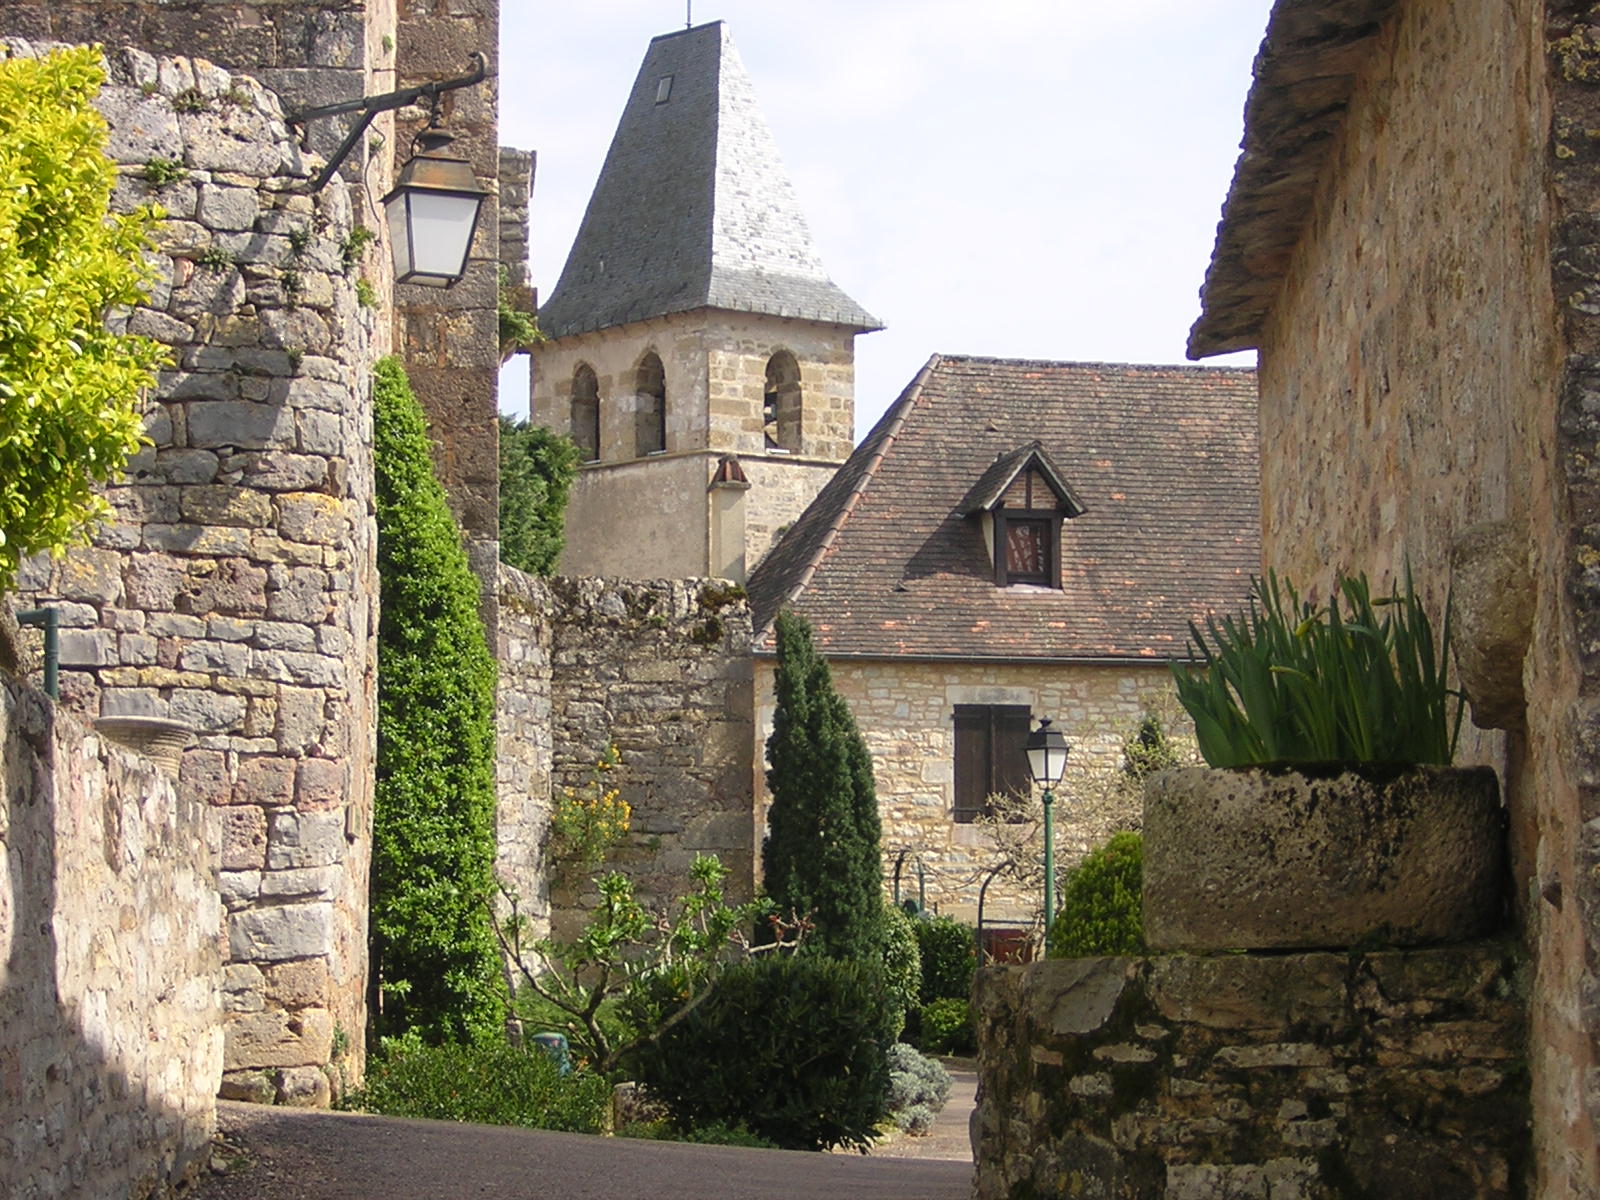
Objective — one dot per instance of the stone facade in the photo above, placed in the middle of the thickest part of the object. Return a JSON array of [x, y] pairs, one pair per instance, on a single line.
[[109, 969], [715, 367], [235, 587], [661, 669], [1428, 367], [1294, 1077], [905, 711], [523, 742]]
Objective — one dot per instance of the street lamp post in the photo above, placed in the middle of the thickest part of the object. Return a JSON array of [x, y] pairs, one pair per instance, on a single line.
[[1047, 759]]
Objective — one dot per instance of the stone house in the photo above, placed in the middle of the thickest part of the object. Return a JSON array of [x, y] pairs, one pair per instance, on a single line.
[[1409, 242], [1014, 540]]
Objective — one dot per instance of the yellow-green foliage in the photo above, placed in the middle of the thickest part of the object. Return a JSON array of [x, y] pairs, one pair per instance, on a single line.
[[69, 389], [588, 821], [1101, 904]]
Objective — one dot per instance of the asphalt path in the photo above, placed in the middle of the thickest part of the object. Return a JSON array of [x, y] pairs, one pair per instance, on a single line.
[[301, 1154]]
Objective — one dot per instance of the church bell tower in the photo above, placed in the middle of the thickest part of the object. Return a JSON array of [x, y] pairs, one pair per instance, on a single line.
[[698, 352]]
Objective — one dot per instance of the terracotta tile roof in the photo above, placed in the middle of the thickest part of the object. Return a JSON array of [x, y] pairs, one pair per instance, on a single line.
[[1163, 459]]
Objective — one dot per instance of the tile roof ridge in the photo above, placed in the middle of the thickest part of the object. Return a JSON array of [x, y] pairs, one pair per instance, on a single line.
[[1185, 367], [895, 419]]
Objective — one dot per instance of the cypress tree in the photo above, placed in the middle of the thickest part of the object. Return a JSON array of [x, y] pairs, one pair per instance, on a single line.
[[536, 470], [821, 853], [434, 955]]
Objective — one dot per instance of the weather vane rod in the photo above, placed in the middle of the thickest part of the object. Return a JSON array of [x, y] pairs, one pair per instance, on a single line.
[[688, 14]]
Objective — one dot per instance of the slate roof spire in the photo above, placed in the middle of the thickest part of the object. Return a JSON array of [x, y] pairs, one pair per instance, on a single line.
[[693, 208]]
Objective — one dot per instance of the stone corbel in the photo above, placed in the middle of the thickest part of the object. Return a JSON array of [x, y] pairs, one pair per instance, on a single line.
[[1492, 618]]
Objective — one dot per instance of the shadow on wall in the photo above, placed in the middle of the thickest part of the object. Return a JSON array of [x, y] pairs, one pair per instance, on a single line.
[[112, 1045]]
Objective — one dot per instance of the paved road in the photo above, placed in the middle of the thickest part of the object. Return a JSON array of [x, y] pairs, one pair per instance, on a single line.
[[308, 1155]]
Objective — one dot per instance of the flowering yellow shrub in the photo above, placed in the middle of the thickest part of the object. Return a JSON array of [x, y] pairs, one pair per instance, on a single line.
[[588, 821]]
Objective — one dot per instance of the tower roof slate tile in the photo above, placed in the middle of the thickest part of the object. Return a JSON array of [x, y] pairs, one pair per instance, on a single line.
[[693, 208], [885, 564]]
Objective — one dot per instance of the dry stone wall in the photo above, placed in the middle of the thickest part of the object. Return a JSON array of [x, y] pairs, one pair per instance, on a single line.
[[109, 966], [524, 742], [662, 669], [235, 588], [1284, 1077]]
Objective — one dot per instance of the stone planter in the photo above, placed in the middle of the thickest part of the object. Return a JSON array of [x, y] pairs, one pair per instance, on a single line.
[[1276, 859], [157, 738]]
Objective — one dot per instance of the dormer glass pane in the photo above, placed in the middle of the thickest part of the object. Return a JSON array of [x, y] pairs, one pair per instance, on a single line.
[[1027, 551]]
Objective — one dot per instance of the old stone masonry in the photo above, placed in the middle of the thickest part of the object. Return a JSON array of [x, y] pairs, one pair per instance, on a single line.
[[234, 590]]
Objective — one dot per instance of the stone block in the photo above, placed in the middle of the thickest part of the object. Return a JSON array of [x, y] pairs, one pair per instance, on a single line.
[[303, 883], [312, 517], [204, 775], [220, 658], [228, 207], [279, 1039], [281, 932], [304, 1087], [239, 888], [265, 780], [320, 783], [206, 711], [220, 505], [251, 1087], [236, 423], [88, 648], [300, 984], [244, 840], [300, 718], [305, 839], [284, 635], [90, 575]]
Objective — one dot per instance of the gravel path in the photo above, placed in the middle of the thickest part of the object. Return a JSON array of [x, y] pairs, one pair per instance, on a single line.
[[300, 1154]]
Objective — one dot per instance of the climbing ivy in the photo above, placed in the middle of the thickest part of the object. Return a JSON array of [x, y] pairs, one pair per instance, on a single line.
[[436, 966], [69, 388]]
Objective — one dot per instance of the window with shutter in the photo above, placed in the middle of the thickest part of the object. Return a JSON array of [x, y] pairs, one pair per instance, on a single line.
[[989, 756]]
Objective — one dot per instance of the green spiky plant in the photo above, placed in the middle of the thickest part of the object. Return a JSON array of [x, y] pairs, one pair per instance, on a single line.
[[1356, 680]]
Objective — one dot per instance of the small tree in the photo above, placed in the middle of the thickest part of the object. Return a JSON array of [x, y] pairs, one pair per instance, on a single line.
[[69, 388], [435, 961], [536, 471], [821, 855]]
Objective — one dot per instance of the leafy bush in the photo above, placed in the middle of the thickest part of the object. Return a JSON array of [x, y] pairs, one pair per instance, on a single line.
[[947, 1027], [821, 855], [536, 471], [1149, 749], [791, 1048], [1294, 682], [436, 965], [902, 962], [949, 956], [488, 1083], [918, 1089], [69, 388], [1101, 903]]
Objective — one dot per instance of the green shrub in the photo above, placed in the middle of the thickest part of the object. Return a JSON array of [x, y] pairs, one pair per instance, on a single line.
[[947, 1027], [69, 388], [821, 853], [489, 1083], [791, 1048], [902, 963], [949, 956], [1294, 682], [918, 1089], [1101, 903], [436, 964], [537, 467]]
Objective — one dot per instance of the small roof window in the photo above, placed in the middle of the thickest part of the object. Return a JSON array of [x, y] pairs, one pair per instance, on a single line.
[[663, 89]]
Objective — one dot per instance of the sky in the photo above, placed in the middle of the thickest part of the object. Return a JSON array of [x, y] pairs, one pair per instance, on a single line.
[[1017, 178]]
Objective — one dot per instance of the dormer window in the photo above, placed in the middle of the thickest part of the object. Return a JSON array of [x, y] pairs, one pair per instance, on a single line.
[[1020, 502]]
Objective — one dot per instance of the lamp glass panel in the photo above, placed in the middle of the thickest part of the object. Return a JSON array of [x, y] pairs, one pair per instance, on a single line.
[[396, 209], [442, 228]]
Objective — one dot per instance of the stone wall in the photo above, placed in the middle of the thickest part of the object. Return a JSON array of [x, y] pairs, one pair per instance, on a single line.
[[523, 742], [715, 367], [662, 669], [1294, 1077], [1429, 366], [109, 969], [450, 337], [235, 587], [905, 711]]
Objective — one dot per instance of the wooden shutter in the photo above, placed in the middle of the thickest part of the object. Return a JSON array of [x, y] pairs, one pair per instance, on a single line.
[[1010, 762], [989, 755]]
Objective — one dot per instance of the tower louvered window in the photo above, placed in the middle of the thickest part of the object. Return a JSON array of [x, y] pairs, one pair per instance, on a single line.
[[650, 407]]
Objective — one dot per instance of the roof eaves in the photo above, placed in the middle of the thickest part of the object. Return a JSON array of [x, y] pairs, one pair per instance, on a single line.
[[1304, 75]]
